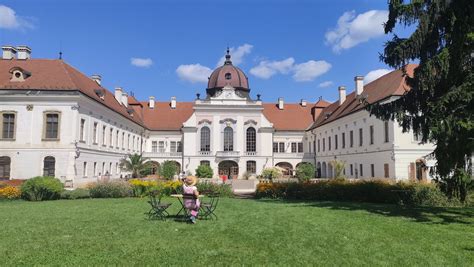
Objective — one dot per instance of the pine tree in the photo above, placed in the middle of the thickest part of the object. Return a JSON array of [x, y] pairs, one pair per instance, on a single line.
[[439, 107]]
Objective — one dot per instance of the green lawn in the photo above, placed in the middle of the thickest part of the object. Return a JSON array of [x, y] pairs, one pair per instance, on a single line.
[[251, 232]]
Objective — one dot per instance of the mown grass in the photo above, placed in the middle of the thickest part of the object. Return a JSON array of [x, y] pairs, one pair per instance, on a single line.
[[250, 232]]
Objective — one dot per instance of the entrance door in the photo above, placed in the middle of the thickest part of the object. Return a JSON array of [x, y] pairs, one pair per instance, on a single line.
[[229, 168]]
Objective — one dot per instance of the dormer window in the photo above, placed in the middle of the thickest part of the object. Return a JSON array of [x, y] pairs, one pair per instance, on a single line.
[[19, 74], [100, 93], [228, 76]]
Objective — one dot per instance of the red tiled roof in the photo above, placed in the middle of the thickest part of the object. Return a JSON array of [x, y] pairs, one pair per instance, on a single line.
[[293, 117], [391, 84], [164, 118], [56, 75]]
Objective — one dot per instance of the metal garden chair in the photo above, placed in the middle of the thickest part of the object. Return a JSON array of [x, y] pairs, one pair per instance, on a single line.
[[158, 209], [208, 208]]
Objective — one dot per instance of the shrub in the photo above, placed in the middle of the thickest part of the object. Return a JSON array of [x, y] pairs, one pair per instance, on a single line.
[[204, 171], [140, 187], [9, 192], [223, 190], [271, 173], [339, 167], [374, 191], [168, 169], [305, 171], [78, 193], [110, 189], [41, 188]]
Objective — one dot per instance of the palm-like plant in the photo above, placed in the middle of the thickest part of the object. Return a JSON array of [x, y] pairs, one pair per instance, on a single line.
[[134, 163]]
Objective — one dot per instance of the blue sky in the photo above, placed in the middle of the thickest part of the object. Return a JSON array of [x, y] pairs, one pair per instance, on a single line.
[[288, 48]]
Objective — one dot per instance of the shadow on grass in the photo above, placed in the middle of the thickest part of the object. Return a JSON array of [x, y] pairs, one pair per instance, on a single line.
[[435, 215]]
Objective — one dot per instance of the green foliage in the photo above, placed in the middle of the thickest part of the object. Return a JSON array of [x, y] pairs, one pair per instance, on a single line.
[[110, 189], [375, 191], [223, 190], [439, 107], [204, 171], [78, 193], [305, 171], [168, 169], [338, 169], [271, 173], [41, 188], [136, 164]]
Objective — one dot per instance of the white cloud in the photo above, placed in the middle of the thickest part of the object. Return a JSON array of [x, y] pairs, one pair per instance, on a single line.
[[193, 73], [266, 69], [375, 74], [141, 62], [10, 20], [326, 84], [309, 70], [352, 30], [237, 54]]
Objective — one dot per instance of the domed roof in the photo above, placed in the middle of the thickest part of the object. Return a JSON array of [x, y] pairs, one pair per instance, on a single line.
[[228, 74]]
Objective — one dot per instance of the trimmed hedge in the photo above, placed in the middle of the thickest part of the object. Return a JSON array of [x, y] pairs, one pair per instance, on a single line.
[[223, 190], [41, 188], [374, 191]]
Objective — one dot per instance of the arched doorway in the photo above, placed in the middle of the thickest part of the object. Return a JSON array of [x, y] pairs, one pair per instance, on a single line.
[[323, 172], [178, 167], [229, 168], [318, 170], [154, 167], [286, 167], [330, 170], [420, 169], [5, 168]]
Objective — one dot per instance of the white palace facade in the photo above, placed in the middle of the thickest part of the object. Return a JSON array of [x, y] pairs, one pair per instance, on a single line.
[[57, 121]]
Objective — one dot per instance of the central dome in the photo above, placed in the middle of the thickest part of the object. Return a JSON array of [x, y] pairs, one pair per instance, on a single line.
[[226, 75]]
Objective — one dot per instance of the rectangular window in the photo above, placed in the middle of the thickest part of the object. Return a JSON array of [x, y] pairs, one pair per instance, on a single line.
[[343, 140], [117, 140], [335, 142], [324, 144], [8, 126], [361, 170], [319, 145], [385, 170], [351, 139], [82, 131], [173, 146], [371, 134], [361, 137], [128, 142], [352, 169], [251, 167], [104, 131], [281, 147], [103, 168], [84, 169], [52, 126], [94, 133], [205, 162], [314, 145], [385, 131], [293, 147], [95, 169], [329, 143], [372, 170], [161, 146], [309, 145], [117, 168], [275, 147], [123, 140], [180, 147], [111, 135], [110, 168], [154, 146], [300, 147]]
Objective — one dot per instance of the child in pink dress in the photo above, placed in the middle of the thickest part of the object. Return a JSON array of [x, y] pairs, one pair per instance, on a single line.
[[189, 188]]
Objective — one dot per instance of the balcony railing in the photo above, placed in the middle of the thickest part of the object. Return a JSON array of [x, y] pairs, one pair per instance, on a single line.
[[163, 154], [293, 155], [250, 153], [227, 154], [204, 153]]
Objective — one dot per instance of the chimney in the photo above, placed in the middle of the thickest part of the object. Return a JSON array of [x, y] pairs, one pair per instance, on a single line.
[[118, 94], [151, 102], [303, 103], [342, 94], [96, 78], [280, 103], [125, 98], [24, 52], [9, 52], [359, 84], [173, 102]]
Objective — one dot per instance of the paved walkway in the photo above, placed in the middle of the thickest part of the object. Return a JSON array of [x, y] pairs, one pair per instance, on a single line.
[[244, 188]]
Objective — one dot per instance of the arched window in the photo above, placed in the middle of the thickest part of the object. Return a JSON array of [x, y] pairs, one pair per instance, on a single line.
[[228, 76], [205, 139], [5, 168], [228, 139], [49, 166], [251, 140]]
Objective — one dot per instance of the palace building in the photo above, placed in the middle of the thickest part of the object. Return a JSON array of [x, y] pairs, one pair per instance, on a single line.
[[59, 122]]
